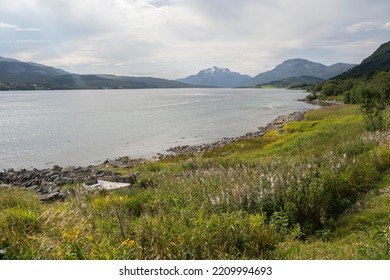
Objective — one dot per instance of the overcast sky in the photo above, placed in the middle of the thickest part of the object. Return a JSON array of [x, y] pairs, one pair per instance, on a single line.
[[175, 38]]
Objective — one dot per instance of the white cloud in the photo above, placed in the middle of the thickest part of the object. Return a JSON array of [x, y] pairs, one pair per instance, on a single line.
[[367, 26], [173, 38], [7, 25], [16, 27]]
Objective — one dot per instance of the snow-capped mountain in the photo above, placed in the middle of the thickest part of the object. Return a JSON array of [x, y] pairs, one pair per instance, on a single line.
[[216, 77]]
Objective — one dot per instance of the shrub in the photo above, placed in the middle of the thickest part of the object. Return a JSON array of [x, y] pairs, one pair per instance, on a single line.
[[372, 106], [219, 236]]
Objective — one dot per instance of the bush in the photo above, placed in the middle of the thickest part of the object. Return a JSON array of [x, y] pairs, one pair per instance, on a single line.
[[372, 106]]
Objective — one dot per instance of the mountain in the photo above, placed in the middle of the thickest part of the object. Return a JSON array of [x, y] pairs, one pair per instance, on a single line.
[[293, 82], [216, 77], [12, 70], [75, 81], [147, 81], [18, 75], [299, 67], [378, 61]]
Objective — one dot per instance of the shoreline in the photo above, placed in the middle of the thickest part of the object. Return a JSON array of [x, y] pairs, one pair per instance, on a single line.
[[275, 124], [49, 183]]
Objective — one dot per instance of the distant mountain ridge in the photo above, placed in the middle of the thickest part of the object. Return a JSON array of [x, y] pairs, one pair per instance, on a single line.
[[15, 74], [299, 67], [75, 81], [12, 70], [216, 77], [378, 61]]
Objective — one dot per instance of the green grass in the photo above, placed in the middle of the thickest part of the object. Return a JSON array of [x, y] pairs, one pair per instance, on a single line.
[[315, 189], [362, 233]]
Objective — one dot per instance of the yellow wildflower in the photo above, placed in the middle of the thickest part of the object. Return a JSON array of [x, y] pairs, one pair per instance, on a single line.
[[72, 234], [128, 243], [90, 237], [3, 238]]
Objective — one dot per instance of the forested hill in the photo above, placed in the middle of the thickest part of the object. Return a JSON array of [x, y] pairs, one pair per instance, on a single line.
[[378, 61], [367, 84], [19, 75]]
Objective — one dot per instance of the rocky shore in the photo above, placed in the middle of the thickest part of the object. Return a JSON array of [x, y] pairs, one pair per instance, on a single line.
[[275, 124], [49, 183]]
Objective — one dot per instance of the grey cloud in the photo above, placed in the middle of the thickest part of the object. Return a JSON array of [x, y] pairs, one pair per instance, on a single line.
[[16, 27], [142, 34]]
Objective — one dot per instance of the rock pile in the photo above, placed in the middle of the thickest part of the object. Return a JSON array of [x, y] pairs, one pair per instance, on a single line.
[[49, 182], [125, 162], [280, 121]]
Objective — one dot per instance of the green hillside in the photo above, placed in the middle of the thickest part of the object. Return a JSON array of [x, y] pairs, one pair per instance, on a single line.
[[18, 75], [367, 84], [292, 82], [378, 61]]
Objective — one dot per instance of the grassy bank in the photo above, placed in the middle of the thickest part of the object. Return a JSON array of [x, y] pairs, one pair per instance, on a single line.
[[312, 189]]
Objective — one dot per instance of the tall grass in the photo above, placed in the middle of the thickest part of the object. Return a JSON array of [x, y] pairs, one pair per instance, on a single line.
[[255, 198]]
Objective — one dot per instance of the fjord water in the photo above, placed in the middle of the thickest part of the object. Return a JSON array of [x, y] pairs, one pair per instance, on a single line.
[[83, 127]]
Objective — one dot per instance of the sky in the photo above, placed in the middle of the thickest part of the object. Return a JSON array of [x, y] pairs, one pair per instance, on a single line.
[[175, 38]]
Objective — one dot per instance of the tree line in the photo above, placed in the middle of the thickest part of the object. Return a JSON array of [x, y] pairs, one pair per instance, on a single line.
[[373, 94]]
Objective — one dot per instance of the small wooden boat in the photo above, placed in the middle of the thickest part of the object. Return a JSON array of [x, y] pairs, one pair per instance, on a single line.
[[106, 185]]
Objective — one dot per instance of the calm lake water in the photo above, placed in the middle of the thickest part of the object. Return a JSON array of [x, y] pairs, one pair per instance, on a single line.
[[42, 128]]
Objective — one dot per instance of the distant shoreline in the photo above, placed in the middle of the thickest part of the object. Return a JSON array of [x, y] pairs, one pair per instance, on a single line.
[[275, 124]]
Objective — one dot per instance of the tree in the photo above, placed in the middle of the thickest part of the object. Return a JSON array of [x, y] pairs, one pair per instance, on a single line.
[[372, 104], [381, 82], [329, 88]]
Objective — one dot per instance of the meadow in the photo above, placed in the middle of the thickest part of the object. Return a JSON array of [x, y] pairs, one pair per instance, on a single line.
[[316, 189]]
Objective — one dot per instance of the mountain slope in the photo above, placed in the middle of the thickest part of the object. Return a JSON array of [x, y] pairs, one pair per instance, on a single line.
[[378, 61], [17, 75], [75, 81], [293, 82], [12, 70], [297, 68], [216, 77]]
